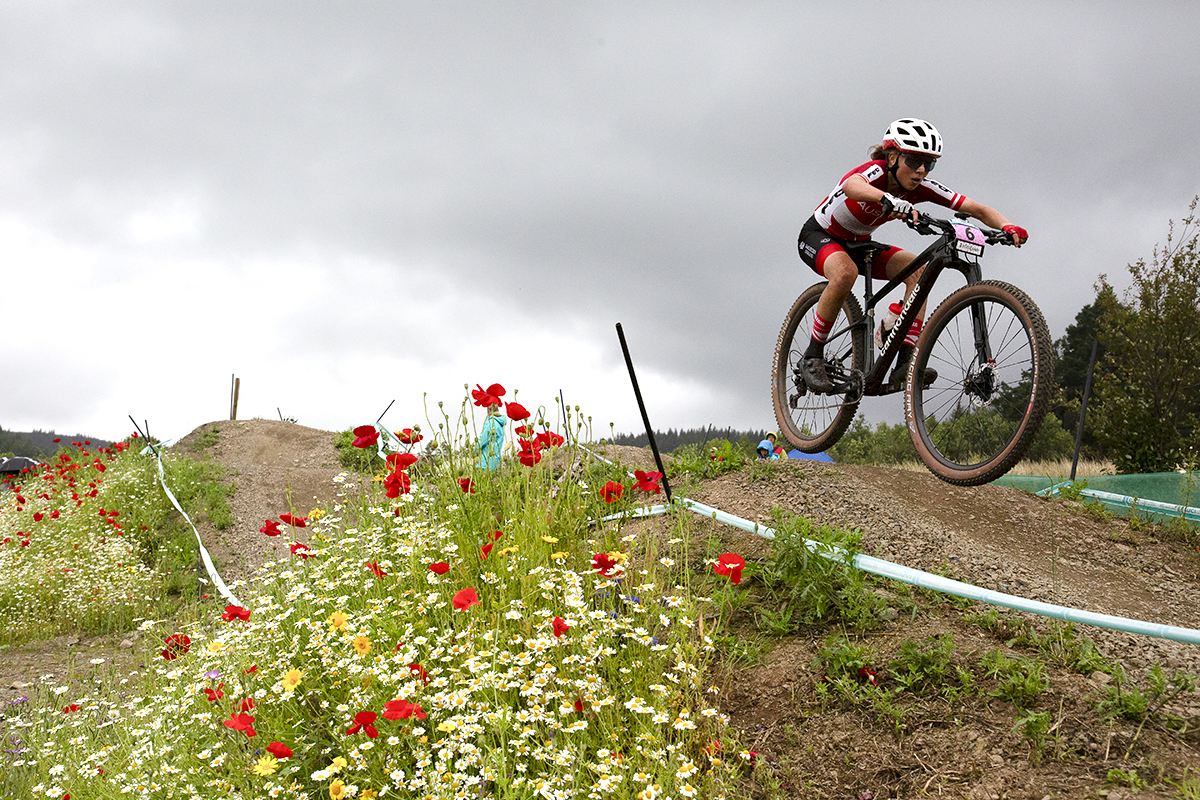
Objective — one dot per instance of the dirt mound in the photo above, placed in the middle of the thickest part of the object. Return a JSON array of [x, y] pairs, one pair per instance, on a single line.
[[277, 467]]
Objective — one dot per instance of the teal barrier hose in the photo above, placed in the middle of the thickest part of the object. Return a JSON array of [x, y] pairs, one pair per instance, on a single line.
[[1131, 503], [938, 583]]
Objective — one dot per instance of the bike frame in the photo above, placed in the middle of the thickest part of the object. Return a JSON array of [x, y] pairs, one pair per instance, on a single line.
[[939, 256]]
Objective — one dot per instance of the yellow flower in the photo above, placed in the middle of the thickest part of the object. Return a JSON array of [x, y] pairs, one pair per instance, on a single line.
[[618, 556], [337, 621], [316, 513], [216, 646], [370, 794], [506, 551], [550, 539], [362, 645], [337, 789], [291, 679], [447, 726], [338, 764], [558, 555], [266, 765]]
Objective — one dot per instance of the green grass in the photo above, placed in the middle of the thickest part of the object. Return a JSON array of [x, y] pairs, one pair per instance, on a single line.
[[97, 545]]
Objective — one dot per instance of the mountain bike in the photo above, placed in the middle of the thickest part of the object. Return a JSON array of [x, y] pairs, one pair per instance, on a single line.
[[988, 342]]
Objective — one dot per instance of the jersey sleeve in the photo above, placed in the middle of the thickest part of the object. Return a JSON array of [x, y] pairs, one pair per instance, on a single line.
[[931, 191]]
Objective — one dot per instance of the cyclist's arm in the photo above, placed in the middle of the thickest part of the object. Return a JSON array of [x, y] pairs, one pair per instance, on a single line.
[[988, 216], [857, 188]]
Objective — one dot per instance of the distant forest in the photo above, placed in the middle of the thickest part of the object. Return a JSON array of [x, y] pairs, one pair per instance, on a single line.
[[41, 444], [671, 439]]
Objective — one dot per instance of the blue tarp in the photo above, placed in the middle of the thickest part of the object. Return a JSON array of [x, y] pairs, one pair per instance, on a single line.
[[810, 456]]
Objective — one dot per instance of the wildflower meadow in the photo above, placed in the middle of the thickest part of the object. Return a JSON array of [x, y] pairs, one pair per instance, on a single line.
[[448, 631]]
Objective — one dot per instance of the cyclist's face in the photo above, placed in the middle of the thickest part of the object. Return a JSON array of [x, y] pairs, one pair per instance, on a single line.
[[908, 177]]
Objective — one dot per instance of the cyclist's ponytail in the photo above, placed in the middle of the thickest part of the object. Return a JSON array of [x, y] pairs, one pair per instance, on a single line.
[[878, 153]]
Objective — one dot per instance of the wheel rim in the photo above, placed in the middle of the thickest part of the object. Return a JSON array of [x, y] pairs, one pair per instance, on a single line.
[[974, 412], [810, 415]]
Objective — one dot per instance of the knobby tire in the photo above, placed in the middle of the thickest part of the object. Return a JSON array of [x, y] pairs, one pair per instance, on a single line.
[[817, 421], [977, 421]]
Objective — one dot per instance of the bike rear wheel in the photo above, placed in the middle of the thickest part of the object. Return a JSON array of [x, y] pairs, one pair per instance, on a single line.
[[814, 422], [992, 350]]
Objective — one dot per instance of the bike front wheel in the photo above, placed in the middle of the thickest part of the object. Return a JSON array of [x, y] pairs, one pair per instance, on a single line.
[[992, 350], [814, 422]]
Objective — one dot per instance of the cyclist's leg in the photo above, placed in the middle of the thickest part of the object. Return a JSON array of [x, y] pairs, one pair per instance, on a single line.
[[897, 260], [841, 271]]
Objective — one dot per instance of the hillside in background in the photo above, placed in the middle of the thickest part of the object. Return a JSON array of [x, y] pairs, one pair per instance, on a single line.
[[41, 444], [670, 439]]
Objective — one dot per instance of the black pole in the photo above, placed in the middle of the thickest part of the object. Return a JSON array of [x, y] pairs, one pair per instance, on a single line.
[[566, 416], [1087, 390], [645, 418], [389, 405]]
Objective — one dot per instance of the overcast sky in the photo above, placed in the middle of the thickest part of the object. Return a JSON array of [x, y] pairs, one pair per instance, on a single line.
[[349, 203]]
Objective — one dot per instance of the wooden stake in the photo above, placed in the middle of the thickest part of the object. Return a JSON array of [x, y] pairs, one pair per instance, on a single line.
[[237, 386]]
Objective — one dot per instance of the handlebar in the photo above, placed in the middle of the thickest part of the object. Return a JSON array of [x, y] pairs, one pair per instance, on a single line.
[[928, 226]]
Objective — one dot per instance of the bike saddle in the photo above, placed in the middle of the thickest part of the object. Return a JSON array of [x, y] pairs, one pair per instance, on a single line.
[[863, 253]]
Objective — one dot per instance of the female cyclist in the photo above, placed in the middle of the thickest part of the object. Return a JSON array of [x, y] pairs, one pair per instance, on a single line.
[[884, 188]]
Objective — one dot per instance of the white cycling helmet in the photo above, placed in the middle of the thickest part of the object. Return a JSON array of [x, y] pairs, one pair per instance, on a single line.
[[913, 136]]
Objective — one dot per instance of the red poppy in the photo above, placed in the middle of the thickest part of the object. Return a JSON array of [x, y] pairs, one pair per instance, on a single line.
[[301, 549], [397, 483], [466, 485], [366, 435], [578, 705], [868, 675], [516, 411], [241, 722], [495, 536], [439, 567], [524, 430], [54, 514], [248, 704], [402, 709], [70, 708], [485, 551], [611, 492], [253, 669], [489, 397], [37, 516], [235, 612], [215, 694], [363, 722], [647, 481], [604, 564], [280, 750], [177, 645], [408, 436], [730, 564], [379, 573], [464, 599], [530, 453], [419, 671], [401, 460], [548, 439], [294, 521], [560, 626]]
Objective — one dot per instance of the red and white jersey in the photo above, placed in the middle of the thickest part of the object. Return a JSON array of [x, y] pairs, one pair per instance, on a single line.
[[855, 220]]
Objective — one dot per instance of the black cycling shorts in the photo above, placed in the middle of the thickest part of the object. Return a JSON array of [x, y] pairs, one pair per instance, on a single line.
[[816, 244]]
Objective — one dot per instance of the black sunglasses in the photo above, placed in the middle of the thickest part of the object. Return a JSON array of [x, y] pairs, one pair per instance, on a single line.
[[916, 162]]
